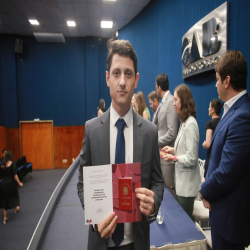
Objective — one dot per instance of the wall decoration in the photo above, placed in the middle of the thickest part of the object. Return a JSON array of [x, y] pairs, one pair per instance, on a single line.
[[205, 42]]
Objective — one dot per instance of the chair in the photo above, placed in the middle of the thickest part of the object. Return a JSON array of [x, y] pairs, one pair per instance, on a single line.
[[21, 165], [201, 166], [200, 213], [24, 168]]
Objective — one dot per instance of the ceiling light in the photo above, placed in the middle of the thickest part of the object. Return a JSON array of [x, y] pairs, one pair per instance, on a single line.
[[34, 22], [109, 0], [71, 23], [106, 24]]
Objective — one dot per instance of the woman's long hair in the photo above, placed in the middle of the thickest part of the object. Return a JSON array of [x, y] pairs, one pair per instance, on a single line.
[[7, 157], [140, 102], [101, 105], [187, 102]]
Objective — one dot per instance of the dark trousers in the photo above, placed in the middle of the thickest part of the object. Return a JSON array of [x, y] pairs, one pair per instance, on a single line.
[[219, 243], [187, 203], [126, 247]]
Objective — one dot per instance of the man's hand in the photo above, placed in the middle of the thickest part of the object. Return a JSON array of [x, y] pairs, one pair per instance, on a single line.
[[107, 227], [146, 198], [206, 204]]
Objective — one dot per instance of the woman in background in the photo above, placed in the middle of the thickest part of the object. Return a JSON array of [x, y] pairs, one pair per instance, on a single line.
[[214, 111], [133, 103], [101, 109], [141, 105], [9, 197], [185, 151]]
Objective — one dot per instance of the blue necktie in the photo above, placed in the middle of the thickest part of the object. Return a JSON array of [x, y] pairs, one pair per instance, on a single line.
[[118, 234]]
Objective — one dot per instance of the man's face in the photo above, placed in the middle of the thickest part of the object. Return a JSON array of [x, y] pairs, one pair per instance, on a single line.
[[157, 89], [152, 104], [121, 81], [220, 87]]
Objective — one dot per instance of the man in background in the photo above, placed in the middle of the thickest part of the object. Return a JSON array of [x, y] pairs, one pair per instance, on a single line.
[[154, 103], [226, 190], [140, 144], [168, 124]]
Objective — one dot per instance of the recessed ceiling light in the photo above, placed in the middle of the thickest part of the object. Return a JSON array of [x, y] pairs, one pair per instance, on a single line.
[[109, 0], [71, 23], [34, 22], [106, 24]]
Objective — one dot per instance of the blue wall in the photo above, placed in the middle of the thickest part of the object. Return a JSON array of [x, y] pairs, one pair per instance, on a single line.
[[64, 82], [59, 82], [156, 34], [8, 86]]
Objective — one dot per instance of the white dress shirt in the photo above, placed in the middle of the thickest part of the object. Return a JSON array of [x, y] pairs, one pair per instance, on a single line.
[[165, 96], [230, 103], [128, 135]]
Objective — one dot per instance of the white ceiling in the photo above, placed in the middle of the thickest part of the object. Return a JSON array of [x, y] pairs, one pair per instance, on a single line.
[[53, 14]]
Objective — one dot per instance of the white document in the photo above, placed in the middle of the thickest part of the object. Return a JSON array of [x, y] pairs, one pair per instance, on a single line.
[[98, 193]]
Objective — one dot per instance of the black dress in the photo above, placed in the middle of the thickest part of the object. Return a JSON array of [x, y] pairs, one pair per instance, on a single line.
[[210, 125], [9, 197]]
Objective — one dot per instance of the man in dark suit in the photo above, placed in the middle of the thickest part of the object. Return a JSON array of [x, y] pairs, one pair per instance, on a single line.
[[141, 139], [226, 190], [154, 103]]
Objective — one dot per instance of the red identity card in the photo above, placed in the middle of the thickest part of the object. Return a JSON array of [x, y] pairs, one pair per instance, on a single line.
[[125, 193]]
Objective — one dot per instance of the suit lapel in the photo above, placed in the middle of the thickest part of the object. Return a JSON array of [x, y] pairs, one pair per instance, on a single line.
[[137, 139], [229, 113], [104, 138], [181, 129]]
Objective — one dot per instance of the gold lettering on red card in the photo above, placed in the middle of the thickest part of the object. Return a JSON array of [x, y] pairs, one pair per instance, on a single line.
[[125, 193]]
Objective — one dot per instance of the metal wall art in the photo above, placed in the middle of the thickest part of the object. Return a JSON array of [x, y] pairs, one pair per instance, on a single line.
[[205, 42]]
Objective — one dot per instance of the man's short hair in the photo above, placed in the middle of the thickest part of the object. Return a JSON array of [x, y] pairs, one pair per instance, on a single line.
[[162, 81], [233, 64], [3, 150], [122, 48], [153, 96]]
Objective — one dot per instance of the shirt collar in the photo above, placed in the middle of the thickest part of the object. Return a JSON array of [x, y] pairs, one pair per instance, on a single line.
[[165, 96], [114, 116], [230, 103]]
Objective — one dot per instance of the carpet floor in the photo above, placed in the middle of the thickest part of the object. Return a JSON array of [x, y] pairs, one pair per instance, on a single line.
[[34, 196]]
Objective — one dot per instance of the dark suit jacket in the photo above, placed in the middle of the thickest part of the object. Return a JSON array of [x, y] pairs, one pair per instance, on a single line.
[[227, 185], [96, 151]]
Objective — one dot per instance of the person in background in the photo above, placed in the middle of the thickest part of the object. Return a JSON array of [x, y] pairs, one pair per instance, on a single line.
[[3, 152], [168, 124], [186, 149], [9, 197], [214, 111], [142, 108], [101, 109], [139, 144], [133, 103], [154, 103], [226, 189]]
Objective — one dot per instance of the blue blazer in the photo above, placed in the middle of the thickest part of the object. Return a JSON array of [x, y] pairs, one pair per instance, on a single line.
[[227, 185]]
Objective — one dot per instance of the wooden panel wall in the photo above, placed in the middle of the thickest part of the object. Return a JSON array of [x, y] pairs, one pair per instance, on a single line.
[[67, 144], [10, 141]]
